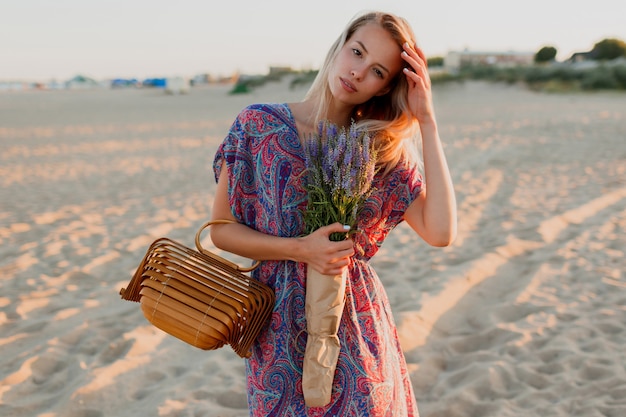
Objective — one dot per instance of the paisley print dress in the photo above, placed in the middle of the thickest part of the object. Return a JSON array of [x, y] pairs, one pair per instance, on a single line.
[[265, 162]]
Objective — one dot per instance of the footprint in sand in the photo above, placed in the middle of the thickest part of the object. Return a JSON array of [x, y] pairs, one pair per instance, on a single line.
[[46, 365], [233, 399], [85, 413]]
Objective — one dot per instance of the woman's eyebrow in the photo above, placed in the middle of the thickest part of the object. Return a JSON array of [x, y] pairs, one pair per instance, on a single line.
[[365, 49]]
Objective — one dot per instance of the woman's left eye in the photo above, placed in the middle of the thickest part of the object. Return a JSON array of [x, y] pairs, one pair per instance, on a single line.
[[378, 72]]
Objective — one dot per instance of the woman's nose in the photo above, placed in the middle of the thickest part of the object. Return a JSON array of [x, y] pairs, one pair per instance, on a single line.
[[356, 73]]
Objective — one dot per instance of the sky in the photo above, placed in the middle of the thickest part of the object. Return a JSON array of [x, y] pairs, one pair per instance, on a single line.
[[46, 39]]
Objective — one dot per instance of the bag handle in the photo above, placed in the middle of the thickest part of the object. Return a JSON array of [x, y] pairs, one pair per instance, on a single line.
[[214, 256]]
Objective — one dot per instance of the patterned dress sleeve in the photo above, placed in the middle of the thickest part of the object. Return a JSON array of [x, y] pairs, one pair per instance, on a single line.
[[235, 153], [385, 208], [262, 153]]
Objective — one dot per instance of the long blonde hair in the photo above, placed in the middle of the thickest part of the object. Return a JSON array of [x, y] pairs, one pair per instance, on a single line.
[[387, 116]]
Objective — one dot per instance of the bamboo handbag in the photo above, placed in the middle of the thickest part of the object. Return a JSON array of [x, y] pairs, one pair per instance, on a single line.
[[199, 297]]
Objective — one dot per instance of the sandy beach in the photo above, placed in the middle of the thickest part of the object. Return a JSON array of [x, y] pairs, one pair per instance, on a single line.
[[524, 315]]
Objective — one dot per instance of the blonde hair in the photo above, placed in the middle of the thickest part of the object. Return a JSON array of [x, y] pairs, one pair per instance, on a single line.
[[387, 116]]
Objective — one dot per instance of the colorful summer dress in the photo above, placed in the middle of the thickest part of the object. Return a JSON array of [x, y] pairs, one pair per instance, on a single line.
[[265, 162]]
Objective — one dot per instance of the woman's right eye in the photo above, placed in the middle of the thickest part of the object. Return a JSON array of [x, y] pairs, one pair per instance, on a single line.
[[356, 52]]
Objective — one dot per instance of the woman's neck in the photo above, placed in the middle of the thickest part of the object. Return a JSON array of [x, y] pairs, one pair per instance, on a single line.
[[305, 112], [340, 115]]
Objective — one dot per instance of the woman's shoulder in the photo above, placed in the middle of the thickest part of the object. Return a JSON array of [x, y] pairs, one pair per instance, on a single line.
[[258, 120], [262, 118], [405, 171], [261, 110]]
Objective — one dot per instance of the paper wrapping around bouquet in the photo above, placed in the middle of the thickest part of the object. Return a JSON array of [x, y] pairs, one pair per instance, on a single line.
[[325, 300]]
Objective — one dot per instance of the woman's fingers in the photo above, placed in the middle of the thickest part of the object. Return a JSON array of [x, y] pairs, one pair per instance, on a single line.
[[326, 256], [414, 56], [419, 92], [422, 57], [417, 60], [334, 228]]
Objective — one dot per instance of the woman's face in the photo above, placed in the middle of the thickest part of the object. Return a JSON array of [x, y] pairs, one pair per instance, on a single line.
[[365, 65]]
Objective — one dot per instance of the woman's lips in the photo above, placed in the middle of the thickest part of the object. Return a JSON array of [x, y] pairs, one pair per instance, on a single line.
[[347, 85]]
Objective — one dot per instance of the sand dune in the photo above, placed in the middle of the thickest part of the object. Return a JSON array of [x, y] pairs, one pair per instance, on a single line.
[[524, 315]]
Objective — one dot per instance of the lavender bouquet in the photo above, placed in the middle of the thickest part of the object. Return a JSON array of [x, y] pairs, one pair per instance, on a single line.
[[341, 166]]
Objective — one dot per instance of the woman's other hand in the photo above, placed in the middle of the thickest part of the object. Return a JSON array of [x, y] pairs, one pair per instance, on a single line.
[[420, 94]]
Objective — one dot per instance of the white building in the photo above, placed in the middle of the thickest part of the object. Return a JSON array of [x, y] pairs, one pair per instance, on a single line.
[[456, 60]]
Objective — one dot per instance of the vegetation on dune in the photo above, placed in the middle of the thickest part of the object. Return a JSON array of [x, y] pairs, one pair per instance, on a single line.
[[602, 68], [556, 77]]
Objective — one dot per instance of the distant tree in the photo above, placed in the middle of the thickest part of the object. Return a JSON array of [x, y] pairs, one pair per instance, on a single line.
[[545, 54], [436, 61], [608, 49]]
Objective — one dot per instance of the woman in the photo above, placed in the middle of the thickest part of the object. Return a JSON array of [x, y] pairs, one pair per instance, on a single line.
[[375, 75]]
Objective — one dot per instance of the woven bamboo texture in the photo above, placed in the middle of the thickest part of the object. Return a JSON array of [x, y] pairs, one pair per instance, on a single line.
[[199, 297]]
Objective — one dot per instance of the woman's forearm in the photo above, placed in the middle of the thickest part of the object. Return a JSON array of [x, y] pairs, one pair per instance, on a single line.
[[244, 241], [315, 249], [439, 211]]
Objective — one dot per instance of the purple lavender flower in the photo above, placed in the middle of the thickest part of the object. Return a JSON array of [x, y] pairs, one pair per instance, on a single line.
[[341, 141], [366, 148], [341, 166], [331, 130], [354, 133]]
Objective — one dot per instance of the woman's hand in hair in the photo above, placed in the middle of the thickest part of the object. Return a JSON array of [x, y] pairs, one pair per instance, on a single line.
[[420, 93]]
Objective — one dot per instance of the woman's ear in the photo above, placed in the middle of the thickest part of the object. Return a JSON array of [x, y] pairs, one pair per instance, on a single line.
[[390, 86], [384, 91]]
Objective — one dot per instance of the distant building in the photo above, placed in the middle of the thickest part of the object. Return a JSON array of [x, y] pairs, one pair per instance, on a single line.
[[124, 82], [579, 57], [201, 79], [154, 82], [457, 60], [12, 85], [278, 71], [81, 82], [588, 60], [177, 85]]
